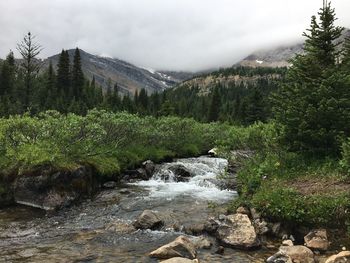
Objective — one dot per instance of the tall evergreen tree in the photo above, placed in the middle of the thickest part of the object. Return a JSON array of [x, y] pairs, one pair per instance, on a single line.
[[29, 51], [77, 76], [215, 104], [7, 75], [50, 89], [63, 75], [310, 105]]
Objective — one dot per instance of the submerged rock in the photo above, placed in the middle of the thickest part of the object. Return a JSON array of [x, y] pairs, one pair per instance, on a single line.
[[342, 257], [181, 247], [238, 232], [201, 242], [180, 260], [148, 220], [317, 239]]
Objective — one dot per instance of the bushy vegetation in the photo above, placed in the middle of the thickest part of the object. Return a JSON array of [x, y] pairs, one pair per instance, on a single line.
[[110, 141]]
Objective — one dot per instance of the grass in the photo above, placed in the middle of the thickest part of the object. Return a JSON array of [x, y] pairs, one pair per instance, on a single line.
[[296, 189]]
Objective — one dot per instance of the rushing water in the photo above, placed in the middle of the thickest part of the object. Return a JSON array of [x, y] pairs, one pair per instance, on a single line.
[[99, 230]]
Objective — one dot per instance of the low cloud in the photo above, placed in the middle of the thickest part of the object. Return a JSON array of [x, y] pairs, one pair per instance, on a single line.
[[161, 34]]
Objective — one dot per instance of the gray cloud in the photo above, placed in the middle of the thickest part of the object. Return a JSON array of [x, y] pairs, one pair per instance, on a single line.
[[161, 34]]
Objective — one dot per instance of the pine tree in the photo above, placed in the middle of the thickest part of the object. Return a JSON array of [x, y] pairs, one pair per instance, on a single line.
[[310, 105], [50, 88], [143, 101], [215, 104], [7, 75], [29, 51], [78, 80], [63, 76], [255, 107]]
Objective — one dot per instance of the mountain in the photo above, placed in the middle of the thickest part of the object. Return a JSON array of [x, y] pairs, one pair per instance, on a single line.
[[278, 57], [128, 77]]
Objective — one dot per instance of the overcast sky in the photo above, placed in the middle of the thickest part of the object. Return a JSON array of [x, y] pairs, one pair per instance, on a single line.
[[161, 34]]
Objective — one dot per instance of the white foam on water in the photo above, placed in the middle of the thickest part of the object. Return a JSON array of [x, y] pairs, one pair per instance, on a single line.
[[163, 184]]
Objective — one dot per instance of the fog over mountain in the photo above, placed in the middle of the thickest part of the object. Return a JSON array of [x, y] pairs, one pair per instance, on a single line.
[[161, 34]]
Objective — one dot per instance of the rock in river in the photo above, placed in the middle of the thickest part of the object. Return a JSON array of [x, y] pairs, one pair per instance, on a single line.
[[148, 220], [180, 247], [180, 260], [238, 232], [296, 253]]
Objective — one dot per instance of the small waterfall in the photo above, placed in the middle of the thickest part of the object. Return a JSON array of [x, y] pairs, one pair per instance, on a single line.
[[191, 177]]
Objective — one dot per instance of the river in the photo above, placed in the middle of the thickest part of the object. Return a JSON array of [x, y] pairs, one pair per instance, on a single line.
[[99, 230]]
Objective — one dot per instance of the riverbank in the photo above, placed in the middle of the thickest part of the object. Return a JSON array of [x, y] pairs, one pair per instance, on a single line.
[[297, 192]]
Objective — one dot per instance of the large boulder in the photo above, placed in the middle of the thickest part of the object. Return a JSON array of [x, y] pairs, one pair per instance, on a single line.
[[180, 260], [342, 257], [148, 220], [238, 232], [299, 254], [181, 247], [317, 239], [52, 190]]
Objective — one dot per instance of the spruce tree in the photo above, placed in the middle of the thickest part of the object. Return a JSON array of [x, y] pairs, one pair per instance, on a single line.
[[29, 51], [77, 76], [310, 105], [63, 76], [214, 108], [50, 88], [7, 75]]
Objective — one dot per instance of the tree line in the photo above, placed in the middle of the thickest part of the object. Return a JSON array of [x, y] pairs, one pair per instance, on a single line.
[[310, 101]]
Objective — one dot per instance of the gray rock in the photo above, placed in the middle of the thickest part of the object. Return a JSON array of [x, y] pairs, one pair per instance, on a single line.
[[220, 250], [180, 247], [317, 239], [260, 227], [238, 232], [243, 210], [182, 174], [201, 242], [254, 214], [138, 174], [52, 191], [180, 260], [342, 257], [275, 228], [279, 257], [149, 166], [110, 185], [211, 226], [148, 220], [298, 253], [195, 229], [287, 242]]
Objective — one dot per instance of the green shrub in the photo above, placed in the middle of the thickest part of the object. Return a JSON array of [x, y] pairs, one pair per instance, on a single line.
[[287, 205], [345, 161]]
